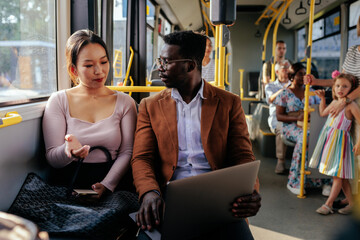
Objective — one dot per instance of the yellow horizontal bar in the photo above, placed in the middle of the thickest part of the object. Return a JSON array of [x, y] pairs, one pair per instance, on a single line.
[[249, 99], [266, 133], [306, 172], [11, 118], [137, 88], [248, 117]]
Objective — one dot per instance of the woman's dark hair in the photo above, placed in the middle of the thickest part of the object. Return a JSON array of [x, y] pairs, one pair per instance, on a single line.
[[75, 43], [294, 68], [192, 45]]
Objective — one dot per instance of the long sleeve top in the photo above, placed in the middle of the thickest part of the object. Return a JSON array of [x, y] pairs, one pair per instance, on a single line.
[[115, 132]]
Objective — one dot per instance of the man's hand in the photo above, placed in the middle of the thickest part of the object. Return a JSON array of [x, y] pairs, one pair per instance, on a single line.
[[337, 107], [150, 211], [246, 206]]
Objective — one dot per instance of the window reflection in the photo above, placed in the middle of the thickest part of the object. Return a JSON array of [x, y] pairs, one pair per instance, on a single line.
[[27, 50]]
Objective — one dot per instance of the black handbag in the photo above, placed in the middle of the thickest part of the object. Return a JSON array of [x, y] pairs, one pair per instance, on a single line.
[[60, 214]]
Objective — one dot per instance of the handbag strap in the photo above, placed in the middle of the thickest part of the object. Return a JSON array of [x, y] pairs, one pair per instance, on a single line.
[[81, 160]]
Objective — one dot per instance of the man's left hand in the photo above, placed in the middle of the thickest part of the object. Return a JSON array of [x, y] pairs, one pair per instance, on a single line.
[[246, 206]]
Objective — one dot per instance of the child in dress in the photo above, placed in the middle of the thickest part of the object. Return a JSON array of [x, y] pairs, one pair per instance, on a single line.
[[334, 151]]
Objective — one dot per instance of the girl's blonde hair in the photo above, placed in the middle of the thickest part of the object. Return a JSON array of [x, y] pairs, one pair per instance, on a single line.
[[351, 78]]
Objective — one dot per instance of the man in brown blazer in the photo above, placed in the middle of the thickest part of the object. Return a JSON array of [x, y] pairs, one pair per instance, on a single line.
[[187, 129]]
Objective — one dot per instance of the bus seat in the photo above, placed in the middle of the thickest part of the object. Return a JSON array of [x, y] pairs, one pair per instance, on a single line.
[[259, 130], [287, 142], [253, 87], [155, 78]]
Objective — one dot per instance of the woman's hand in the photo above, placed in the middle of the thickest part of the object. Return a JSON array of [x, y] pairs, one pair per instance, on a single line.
[[301, 117], [309, 79], [356, 149], [320, 93], [99, 188], [336, 107], [74, 148]]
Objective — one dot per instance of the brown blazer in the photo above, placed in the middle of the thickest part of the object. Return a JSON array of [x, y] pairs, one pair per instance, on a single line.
[[224, 136]]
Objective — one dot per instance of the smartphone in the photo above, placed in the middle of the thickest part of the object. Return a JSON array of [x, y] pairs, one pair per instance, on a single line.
[[85, 192]]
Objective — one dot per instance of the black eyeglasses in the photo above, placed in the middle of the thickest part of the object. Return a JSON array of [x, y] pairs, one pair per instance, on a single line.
[[160, 62]]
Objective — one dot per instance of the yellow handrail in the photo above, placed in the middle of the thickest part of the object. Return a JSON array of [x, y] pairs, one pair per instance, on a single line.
[[227, 69], [216, 55], [221, 58], [11, 118], [131, 84], [306, 107], [206, 4], [241, 71], [267, 14], [275, 37], [129, 64], [208, 21], [137, 88], [263, 56]]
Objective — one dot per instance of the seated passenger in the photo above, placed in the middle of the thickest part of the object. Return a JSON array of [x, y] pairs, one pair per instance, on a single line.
[[87, 115], [208, 64], [272, 90], [289, 110], [189, 129]]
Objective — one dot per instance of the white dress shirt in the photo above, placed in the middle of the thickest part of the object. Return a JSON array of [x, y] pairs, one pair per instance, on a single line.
[[191, 159]]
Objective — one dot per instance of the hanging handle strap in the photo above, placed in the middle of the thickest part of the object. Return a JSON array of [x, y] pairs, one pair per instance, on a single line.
[[81, 160]]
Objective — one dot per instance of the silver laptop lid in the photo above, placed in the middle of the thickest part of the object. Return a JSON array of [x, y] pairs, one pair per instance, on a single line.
[[197, 204]]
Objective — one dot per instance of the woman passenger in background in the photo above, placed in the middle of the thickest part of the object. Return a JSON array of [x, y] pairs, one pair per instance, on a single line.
[[89, 114], [289, 110]]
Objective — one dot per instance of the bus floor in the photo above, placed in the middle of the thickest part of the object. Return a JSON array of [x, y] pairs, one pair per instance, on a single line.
[[285, 216]]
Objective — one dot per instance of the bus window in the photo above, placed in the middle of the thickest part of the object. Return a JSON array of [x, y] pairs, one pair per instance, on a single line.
[[27, 50], [353, 19], [332, 23], [119, 40], [318, 29], [302, 43], [150, 20], [326, 44], [354, 14], [326, 55]]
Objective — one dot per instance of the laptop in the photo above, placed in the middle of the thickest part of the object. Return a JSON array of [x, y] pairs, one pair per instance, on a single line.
[[198, 204]]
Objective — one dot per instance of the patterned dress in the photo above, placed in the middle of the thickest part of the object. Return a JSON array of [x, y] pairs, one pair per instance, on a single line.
[[294, 133], [333, 153]]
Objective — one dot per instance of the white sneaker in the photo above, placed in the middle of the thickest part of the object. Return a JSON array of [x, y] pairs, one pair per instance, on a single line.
[[326, 189], [294, 190]]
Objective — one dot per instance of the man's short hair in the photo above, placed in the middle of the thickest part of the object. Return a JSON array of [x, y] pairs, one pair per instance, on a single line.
[[192, 45], [283, 64], [279, 41]]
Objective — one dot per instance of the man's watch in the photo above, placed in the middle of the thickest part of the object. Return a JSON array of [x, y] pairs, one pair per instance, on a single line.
[[348, 100]]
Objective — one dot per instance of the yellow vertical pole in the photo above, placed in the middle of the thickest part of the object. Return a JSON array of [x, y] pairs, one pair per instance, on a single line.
[[263, 56], [275, 38], [227, 69], [241, 71], [221, 58], [306, 107], [216, 55]]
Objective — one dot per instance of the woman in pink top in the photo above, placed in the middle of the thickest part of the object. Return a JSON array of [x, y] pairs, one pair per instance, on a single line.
[[88, 115]]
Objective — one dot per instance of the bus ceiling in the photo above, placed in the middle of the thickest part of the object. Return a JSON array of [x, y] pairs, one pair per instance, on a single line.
[[297, 12]]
